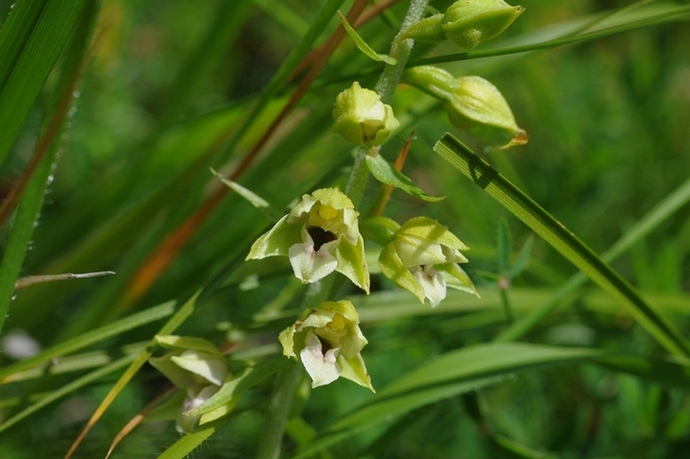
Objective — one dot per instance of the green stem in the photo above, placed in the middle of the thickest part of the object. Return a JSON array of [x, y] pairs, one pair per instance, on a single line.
[[277, 412], [281, 398], [400, 50], [503, 292]]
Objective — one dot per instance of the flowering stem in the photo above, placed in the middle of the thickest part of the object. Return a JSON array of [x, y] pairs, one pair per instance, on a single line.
[[277, 412], [400, 50], [287, 381]]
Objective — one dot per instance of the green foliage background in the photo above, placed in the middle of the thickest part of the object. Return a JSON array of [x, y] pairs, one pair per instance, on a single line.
[[160, 91]]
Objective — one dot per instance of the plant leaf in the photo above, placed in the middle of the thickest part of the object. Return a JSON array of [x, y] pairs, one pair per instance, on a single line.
[[451, 374], [386, 173], [26, 70], [363, 46]]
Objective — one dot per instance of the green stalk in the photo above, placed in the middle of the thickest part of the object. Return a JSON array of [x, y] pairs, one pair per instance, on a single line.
[[281, 399], [277, 412], [400, 50]]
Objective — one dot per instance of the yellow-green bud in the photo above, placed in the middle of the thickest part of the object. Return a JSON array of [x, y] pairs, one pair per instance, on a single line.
[[361, 118], [472, 22], [467, 23], [472, 104]]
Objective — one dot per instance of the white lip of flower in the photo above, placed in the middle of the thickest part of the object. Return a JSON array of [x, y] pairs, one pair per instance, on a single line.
[[423, 258], [319, 236], [184, 423], [329, 342]]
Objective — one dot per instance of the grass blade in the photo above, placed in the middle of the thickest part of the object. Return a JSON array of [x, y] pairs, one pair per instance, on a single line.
[[564, 241], [451, 374], [94, 336], [39, 53]]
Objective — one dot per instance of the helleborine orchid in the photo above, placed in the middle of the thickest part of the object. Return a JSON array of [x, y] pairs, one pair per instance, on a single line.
[[328, 343], [319, 236], [422, 257], [198, 367]]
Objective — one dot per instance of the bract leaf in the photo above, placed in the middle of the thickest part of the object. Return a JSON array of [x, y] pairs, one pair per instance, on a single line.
[[386, 173], [363, 46]]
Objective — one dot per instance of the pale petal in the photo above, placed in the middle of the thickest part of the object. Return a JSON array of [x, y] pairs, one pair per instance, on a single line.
[[310, 265], [186, 424], [322, 369], [299, 212], [433, 284], [203, 364]]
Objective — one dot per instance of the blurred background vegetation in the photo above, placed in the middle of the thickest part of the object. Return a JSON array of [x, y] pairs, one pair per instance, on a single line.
[[164, 89]]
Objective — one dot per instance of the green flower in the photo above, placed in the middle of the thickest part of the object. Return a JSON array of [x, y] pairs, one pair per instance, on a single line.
[[422, 257], [328, 342], [472, 103], [198, 367], [361, 118], [319, 236]]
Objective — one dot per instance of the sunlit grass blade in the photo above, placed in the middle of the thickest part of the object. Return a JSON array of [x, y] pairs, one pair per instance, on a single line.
[[39, 53], [629, 19], [79, 342], [189, 442], [660, 213], [170, 326], [20, 234], [564, 241], [66, 390], [451, 374]]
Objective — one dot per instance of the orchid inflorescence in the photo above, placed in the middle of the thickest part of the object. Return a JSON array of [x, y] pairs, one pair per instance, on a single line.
[[321, 234]]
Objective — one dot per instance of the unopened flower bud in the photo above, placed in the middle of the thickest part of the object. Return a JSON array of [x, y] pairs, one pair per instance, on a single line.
[[472, 104], [472, 22], [361, 118], [467, 23]]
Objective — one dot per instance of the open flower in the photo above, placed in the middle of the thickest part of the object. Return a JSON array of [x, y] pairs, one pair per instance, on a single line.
[[423, 257], [361, 118], [328, 342], [320, 235], [195, 365]]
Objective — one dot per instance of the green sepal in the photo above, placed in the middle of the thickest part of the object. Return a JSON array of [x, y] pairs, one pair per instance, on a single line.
[[184, 343], [457, 278], [430, 231], [352, 262], [277, 241], [393, 268], [353, 368]]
